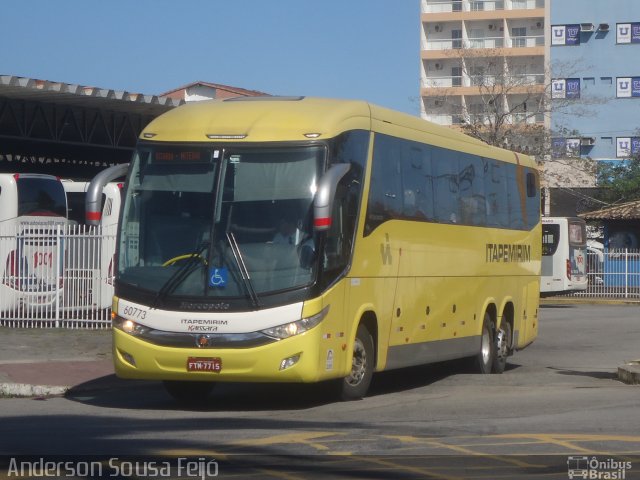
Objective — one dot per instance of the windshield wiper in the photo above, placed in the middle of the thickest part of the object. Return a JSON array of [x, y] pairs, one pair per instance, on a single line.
[[246, 278], [180, 275]]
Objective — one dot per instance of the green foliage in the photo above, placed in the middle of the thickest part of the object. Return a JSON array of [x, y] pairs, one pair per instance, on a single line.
[[620, 181]]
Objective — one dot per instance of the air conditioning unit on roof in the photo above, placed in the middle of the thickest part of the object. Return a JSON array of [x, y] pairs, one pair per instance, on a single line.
[[603, 27], [586, 27], [587, 141]]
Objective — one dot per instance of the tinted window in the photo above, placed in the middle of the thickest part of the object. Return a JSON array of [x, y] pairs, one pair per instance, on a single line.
[[550, 238], [41, 197], [416, 181]]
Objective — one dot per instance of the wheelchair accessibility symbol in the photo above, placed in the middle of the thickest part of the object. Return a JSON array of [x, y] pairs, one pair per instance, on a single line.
[[218, 277]]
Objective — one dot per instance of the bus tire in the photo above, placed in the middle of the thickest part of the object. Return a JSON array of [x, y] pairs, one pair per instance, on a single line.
[[188, 393], [355, 385], [484, 359], [502, 347]]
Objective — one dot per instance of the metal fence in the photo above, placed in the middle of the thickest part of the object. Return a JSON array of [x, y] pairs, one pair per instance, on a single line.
[[612, 274], [56, 276], [62, 276]]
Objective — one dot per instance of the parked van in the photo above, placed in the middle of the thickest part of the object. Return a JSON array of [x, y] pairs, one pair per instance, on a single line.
[[33, 216]]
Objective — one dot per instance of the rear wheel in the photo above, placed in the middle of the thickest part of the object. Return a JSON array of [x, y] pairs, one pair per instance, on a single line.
[[502, 348], [188, 393], [483, 361], [355, 385]]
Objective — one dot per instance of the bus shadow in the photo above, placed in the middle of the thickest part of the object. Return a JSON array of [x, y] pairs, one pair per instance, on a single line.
[[112, 392], [590, 374]]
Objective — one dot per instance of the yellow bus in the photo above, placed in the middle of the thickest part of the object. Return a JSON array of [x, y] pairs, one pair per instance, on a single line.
[[283, 239]]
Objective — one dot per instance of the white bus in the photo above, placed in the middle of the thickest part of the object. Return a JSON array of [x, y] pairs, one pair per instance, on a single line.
[[33, 215], [564, 255]]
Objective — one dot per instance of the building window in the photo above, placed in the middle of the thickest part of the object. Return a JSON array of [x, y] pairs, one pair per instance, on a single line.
[[568, 88], [627, 33], [519, 37], [456, 38], [627, 87], [565, 35]]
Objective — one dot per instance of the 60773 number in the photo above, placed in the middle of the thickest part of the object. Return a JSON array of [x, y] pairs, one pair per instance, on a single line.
[[134, 312]]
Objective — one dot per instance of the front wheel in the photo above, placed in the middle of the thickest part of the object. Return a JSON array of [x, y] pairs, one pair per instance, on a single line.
[[188, 393], [355, 385]]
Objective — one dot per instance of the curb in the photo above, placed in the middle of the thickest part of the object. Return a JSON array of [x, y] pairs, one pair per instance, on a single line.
[[630, 372], [25, 390], [588, 301]]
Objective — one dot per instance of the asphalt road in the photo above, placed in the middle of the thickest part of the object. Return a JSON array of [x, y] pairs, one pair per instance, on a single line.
[[558, 398]]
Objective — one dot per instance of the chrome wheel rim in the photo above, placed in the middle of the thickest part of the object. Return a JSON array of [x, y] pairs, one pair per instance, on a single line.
[[359, 364], [486, 346], [503, 342]]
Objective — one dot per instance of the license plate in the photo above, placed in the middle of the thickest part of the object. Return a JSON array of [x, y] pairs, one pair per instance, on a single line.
[[204, 364]]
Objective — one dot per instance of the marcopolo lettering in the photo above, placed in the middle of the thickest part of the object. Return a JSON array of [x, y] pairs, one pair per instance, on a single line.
[[507, 253]]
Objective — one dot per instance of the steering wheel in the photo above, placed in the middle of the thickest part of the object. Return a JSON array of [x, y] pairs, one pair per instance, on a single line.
[[185, 256]]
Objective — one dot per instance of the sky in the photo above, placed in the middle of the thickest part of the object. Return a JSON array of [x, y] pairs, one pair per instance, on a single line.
[[361, 49]]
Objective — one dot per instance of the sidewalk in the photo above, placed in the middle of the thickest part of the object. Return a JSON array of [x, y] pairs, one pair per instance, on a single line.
[[44, 362]]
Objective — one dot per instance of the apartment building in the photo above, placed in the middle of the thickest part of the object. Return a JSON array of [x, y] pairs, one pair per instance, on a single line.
[[600, 41], [477, 49]]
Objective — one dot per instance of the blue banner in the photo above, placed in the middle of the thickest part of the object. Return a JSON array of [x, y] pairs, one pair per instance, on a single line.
[[573, 88], [572, 35], [635, 145], [558, 147], [635, 87], [635, 33]]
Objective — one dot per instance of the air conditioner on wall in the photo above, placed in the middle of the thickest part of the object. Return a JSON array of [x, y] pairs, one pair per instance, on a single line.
[[539, 24], [438, 28], [586, 27], [492, 27], [438, 66]]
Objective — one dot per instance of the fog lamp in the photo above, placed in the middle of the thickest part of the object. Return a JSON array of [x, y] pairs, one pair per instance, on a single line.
[[290, 361]]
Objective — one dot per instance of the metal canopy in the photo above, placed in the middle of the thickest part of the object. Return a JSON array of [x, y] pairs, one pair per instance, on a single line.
[[70, 130]]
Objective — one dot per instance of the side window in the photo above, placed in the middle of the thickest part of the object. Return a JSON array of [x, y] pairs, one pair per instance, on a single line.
[[385, 192], [417, 182], [445, 171], [472, 203], [515, 201], [351, 148], [533, 198], [496, 194]]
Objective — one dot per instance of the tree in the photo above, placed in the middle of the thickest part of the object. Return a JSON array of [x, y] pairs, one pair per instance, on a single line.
[[507, 104], [620, 181]]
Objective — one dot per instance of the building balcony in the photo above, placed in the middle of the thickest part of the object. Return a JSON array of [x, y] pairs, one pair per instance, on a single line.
[[434, 45], [448, 6], [458, 81]]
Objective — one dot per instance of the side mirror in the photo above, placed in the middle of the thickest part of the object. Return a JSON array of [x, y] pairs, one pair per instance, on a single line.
[[323, 201]]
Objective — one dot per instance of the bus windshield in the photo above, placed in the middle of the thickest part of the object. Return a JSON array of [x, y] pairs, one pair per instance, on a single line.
[[41, 197], [219, 222]]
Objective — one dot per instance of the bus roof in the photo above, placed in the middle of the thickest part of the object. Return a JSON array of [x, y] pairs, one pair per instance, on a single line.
[[273, 119]]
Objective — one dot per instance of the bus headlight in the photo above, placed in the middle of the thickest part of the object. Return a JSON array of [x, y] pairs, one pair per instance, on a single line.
[[296, 328], [129, 326]]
